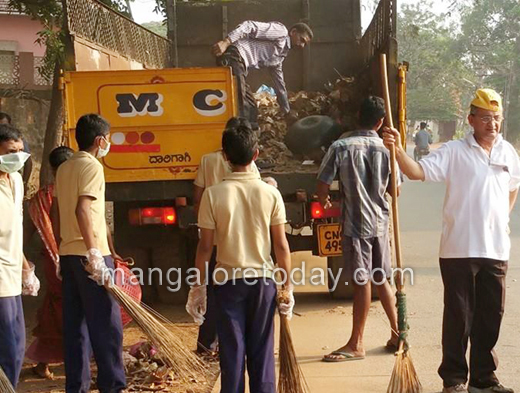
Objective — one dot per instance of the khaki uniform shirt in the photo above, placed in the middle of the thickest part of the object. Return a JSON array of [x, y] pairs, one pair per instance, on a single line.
[[81, 175], [213, 168], [241, 211]]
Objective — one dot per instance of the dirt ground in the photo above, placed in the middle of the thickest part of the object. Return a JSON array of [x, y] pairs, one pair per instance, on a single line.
[[30, 383]]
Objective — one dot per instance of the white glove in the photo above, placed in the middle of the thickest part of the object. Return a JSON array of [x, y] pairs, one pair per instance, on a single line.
[[286, 301], [97, 267], [196, 305], [30, 283]]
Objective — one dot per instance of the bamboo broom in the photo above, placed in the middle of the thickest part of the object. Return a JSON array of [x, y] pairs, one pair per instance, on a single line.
[[291, 378], [169, 340], [5, 384], [404, 377]]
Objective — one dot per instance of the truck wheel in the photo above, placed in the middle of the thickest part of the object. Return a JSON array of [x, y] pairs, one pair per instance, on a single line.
[[341, 291]]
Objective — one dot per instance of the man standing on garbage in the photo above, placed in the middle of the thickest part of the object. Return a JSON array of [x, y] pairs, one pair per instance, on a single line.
[[255, 45]]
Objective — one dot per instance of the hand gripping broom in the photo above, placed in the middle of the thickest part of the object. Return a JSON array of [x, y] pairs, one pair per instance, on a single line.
[[404, 377]]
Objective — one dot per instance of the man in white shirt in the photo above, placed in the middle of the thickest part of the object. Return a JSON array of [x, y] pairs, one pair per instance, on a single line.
[[482, 175], [16, 274]]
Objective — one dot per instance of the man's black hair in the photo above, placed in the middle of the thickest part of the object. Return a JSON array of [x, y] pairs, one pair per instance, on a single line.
[[235, 122], [303, 28], [59, 155], [372, 110], [4, 115], [423, 124], [239, 142], [9, 133], [88, 128]]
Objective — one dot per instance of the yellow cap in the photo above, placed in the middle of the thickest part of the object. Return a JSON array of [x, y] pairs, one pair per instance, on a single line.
[[488, 99]]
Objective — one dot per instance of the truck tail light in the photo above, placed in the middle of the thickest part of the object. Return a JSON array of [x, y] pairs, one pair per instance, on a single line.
[[152, 216], [317, 211]]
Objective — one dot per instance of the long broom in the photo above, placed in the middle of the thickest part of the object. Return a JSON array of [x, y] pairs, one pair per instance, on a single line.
[[291, 378], [404, 377], [5, 384], [170, 342]]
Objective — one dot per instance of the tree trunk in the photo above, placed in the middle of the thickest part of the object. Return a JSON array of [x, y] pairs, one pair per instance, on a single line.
[[54, 129]]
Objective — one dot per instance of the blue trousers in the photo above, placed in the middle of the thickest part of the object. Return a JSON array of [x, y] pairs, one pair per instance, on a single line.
[[91, 318], [246, 335], [12, 337], [207, 339]]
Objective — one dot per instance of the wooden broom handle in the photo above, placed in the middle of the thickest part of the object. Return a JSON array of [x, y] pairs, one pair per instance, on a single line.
[[393, 168]]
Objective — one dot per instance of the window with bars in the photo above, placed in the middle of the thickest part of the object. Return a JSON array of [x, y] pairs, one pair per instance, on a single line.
[[9, 68]]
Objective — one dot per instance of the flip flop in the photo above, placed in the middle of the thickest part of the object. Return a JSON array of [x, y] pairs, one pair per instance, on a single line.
[[347, 356]]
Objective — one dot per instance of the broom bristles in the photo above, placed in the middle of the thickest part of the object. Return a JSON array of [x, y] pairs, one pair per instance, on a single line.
[[404, 377], [291, 378], [170, 342], [5, 384]]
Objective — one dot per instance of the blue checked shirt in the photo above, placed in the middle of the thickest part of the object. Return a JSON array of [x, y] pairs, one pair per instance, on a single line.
[[363, 165], [264, 45]]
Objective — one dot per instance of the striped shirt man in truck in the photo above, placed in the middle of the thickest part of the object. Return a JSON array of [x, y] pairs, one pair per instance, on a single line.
[[256, 45]]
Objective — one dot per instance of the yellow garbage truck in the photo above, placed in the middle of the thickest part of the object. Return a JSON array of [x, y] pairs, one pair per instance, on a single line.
[[162, 122]]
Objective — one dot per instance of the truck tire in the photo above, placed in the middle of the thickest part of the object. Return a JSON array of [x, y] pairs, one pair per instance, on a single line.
[[307, 134]]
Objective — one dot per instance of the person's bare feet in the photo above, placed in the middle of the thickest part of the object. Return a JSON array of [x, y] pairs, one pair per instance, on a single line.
[[42, 370]]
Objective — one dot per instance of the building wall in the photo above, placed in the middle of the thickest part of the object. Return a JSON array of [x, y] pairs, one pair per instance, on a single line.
[[22, 31]]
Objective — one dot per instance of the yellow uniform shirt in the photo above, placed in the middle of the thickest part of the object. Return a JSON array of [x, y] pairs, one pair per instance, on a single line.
[[213, 168], [241, 210], [11, 235], [81, 175]]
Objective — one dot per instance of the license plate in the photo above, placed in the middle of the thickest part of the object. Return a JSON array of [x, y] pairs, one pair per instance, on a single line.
[[329, 240]]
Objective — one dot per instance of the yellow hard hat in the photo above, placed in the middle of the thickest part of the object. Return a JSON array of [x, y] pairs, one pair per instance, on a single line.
[[487, 99]]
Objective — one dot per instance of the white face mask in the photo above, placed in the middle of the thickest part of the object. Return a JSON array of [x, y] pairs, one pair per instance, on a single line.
[[102, 152], [13, 162]]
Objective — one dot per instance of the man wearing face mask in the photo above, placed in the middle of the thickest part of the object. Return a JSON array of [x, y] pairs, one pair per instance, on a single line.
[[27, 168], [16, 274], [91, 317]]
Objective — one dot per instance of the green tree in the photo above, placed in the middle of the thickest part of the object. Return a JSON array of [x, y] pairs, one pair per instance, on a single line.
[[156, 27], [59, 55], [439, 80], [491, 42]]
